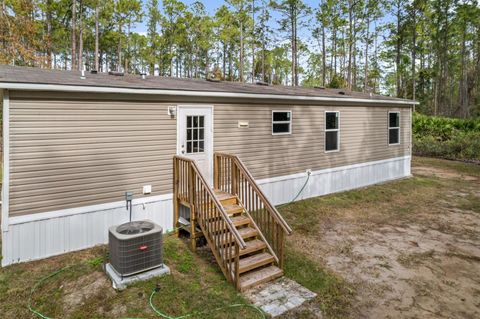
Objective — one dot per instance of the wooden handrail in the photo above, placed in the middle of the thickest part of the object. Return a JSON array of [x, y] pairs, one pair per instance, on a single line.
[[238, 238], [232, 176], [272, 208], [251, 180], [270, 249]]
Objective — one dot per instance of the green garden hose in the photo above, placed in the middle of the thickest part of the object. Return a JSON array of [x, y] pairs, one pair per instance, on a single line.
[[158, 312], [34, 288], [299, 192], [161, 314]]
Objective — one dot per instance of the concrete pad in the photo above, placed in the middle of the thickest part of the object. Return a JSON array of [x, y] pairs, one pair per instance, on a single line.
[[120, 283], [279, 296]]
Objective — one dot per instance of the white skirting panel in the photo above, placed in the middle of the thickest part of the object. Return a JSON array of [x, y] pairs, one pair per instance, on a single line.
[[283, 189], [43, 235]]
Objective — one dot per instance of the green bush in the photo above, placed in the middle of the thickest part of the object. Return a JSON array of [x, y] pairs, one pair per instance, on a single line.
[[446, 137]]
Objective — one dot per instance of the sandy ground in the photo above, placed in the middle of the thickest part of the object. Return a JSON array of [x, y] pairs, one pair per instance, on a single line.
[[424, 264]]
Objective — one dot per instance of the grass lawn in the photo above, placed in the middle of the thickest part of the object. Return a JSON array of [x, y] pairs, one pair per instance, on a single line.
[[372, 252]]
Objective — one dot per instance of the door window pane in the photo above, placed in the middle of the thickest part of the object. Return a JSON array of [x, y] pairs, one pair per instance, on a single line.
[[195, 134]]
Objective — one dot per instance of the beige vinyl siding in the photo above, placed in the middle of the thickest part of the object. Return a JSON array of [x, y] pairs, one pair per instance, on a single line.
[[73, 153], [68, 152], [363, 137]]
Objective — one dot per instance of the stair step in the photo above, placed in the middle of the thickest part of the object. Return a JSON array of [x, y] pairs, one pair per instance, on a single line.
[[252, 246], [246, 232], [255, 261], [237, 221], [233, 209], [225, 198], [259, 276], [240, 220]]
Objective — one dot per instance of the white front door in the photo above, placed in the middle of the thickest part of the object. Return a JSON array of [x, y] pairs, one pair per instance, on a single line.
[[195, 137]]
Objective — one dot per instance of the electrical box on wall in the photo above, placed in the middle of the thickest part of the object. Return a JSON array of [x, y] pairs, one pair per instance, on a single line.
[[147, 189], [243, 124]]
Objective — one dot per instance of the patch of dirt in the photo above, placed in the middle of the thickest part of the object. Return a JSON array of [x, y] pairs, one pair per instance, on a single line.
[[424, 264], [78, 292], [441, 173]]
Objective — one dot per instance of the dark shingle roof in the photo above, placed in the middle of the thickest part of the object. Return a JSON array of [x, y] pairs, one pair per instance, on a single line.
[[27, 75]]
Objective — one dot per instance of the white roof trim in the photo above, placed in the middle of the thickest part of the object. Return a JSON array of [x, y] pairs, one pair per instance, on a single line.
[[93, 89]]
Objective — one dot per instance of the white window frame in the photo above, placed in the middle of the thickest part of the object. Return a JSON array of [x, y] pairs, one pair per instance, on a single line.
[[394, 127], [331, 130], [283, 122]]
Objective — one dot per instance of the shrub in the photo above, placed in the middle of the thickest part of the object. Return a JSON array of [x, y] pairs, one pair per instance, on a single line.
[[446, 137]]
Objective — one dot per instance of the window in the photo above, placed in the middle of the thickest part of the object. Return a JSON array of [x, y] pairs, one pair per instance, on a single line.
[[195, 134], [393, 128], [332, 131], [281, 122]]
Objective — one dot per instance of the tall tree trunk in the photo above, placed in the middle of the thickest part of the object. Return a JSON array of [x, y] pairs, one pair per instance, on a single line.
[[207, 64], [253, 41], [350, 43], [367, 42], [324, 58], [97, 23], [264, 78], [224, 60], [333, 64], [119, 49], [74, 35], [375, 55], [80, 38], [49, 33], [354, 58], [445, 59], [294, 45], [128, 49], [241, 52], [398, 51], [230, 64], [462, 88], [171, 51], [414, 52]]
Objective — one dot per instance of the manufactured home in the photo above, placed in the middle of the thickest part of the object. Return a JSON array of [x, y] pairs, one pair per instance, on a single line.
[[74, 143]]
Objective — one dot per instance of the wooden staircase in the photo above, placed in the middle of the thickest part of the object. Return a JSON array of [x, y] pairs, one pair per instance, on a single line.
[[257, 262], [245, 232]]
